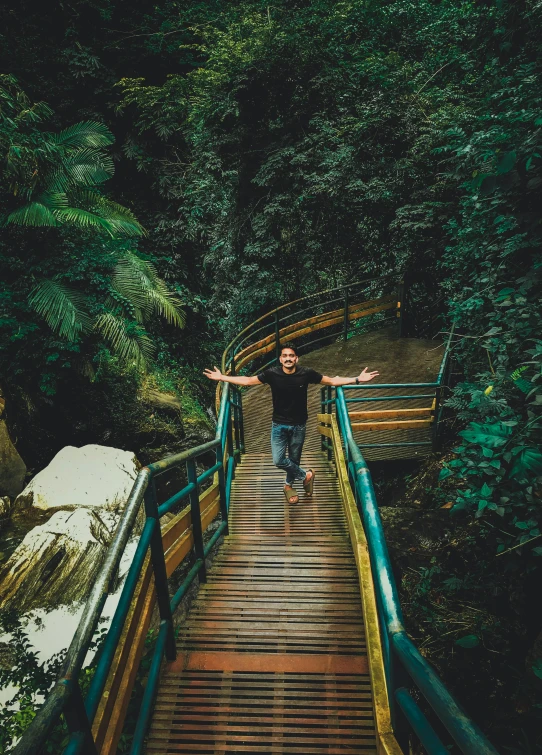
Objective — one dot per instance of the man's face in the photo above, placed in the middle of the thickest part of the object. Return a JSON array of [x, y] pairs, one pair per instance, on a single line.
[[288, 358]]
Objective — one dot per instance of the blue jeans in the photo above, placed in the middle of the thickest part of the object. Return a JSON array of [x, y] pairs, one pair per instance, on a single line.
[[288, 438]]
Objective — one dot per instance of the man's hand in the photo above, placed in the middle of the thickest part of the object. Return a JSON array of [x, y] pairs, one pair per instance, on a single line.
[[365, 376], [217, 375]]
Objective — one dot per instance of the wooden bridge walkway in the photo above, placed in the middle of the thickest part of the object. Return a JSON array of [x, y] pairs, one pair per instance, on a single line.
[[272, 657]]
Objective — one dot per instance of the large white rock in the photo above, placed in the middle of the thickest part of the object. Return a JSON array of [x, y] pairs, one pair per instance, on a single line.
[[93, 477], [58, 561]]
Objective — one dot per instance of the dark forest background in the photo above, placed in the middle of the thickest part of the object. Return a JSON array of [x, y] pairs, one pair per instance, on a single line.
[[171, 170]]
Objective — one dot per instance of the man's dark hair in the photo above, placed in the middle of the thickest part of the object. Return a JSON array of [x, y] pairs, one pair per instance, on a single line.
[[289, 345]]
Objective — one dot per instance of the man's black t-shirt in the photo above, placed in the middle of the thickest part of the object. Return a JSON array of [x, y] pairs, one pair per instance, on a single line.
[[289, 393]]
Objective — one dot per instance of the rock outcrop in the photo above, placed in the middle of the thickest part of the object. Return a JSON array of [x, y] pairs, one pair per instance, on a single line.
[[12, 467], [57, 561], [82, 493], [94, 477]]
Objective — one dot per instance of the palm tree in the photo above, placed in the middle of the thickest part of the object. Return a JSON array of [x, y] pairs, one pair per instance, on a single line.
[[58, 177]]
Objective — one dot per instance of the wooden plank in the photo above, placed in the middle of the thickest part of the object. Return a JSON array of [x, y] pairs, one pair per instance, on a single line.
[[390, 413], [326, 418], [301, 663], [406, 424], [324, 431], [387, 744]]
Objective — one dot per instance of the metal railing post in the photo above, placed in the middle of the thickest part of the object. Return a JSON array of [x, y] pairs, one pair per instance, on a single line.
[[346, 315], [229, 430], [236, 429], [240, 418], [159, 569], [222, 486], [196, 517], [323, 408], [329, 406], [435, 428], [401, 308], [277, 335], [78, 723]]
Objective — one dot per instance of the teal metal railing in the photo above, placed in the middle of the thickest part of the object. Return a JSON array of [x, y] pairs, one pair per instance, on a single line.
[[65, 699], [408, 673]]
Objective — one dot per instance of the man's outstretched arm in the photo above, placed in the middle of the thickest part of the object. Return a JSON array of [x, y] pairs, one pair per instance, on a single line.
[[235, 379], [363, 377]]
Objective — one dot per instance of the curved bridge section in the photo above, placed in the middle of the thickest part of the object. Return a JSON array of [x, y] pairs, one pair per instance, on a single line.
[[295, 643]]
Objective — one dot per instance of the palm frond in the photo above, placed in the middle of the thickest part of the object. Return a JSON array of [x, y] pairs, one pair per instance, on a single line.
[[138, 281], [120, 218], [130, 343], [33, 214], [84, 134], [54, 200], [168, 305], [87, 167], [83, 219], [63, 308]]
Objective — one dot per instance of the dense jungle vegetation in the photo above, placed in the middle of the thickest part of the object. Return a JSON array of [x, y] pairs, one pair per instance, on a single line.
[[169, 171]]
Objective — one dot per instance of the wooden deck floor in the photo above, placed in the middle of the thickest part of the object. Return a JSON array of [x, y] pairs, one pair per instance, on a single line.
[[398, 360], [272, 657]]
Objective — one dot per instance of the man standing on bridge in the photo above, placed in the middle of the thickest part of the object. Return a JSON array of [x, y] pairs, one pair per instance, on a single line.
[[289, 385]]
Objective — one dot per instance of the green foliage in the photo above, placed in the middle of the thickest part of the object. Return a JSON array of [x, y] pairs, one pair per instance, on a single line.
[[62, 309], [59, 175], [32, 680]]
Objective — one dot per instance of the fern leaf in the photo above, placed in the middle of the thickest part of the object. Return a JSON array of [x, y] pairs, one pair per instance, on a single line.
[[63, 309], [131, 344]]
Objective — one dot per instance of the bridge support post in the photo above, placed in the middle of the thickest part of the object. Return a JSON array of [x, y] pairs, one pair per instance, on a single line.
[[196, 518], [159, 568]]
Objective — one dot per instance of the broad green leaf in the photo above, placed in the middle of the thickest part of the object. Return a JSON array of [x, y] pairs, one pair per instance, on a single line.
[[527, 463], [537, 668], [489, 435], [444, 473], [506, 163]]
